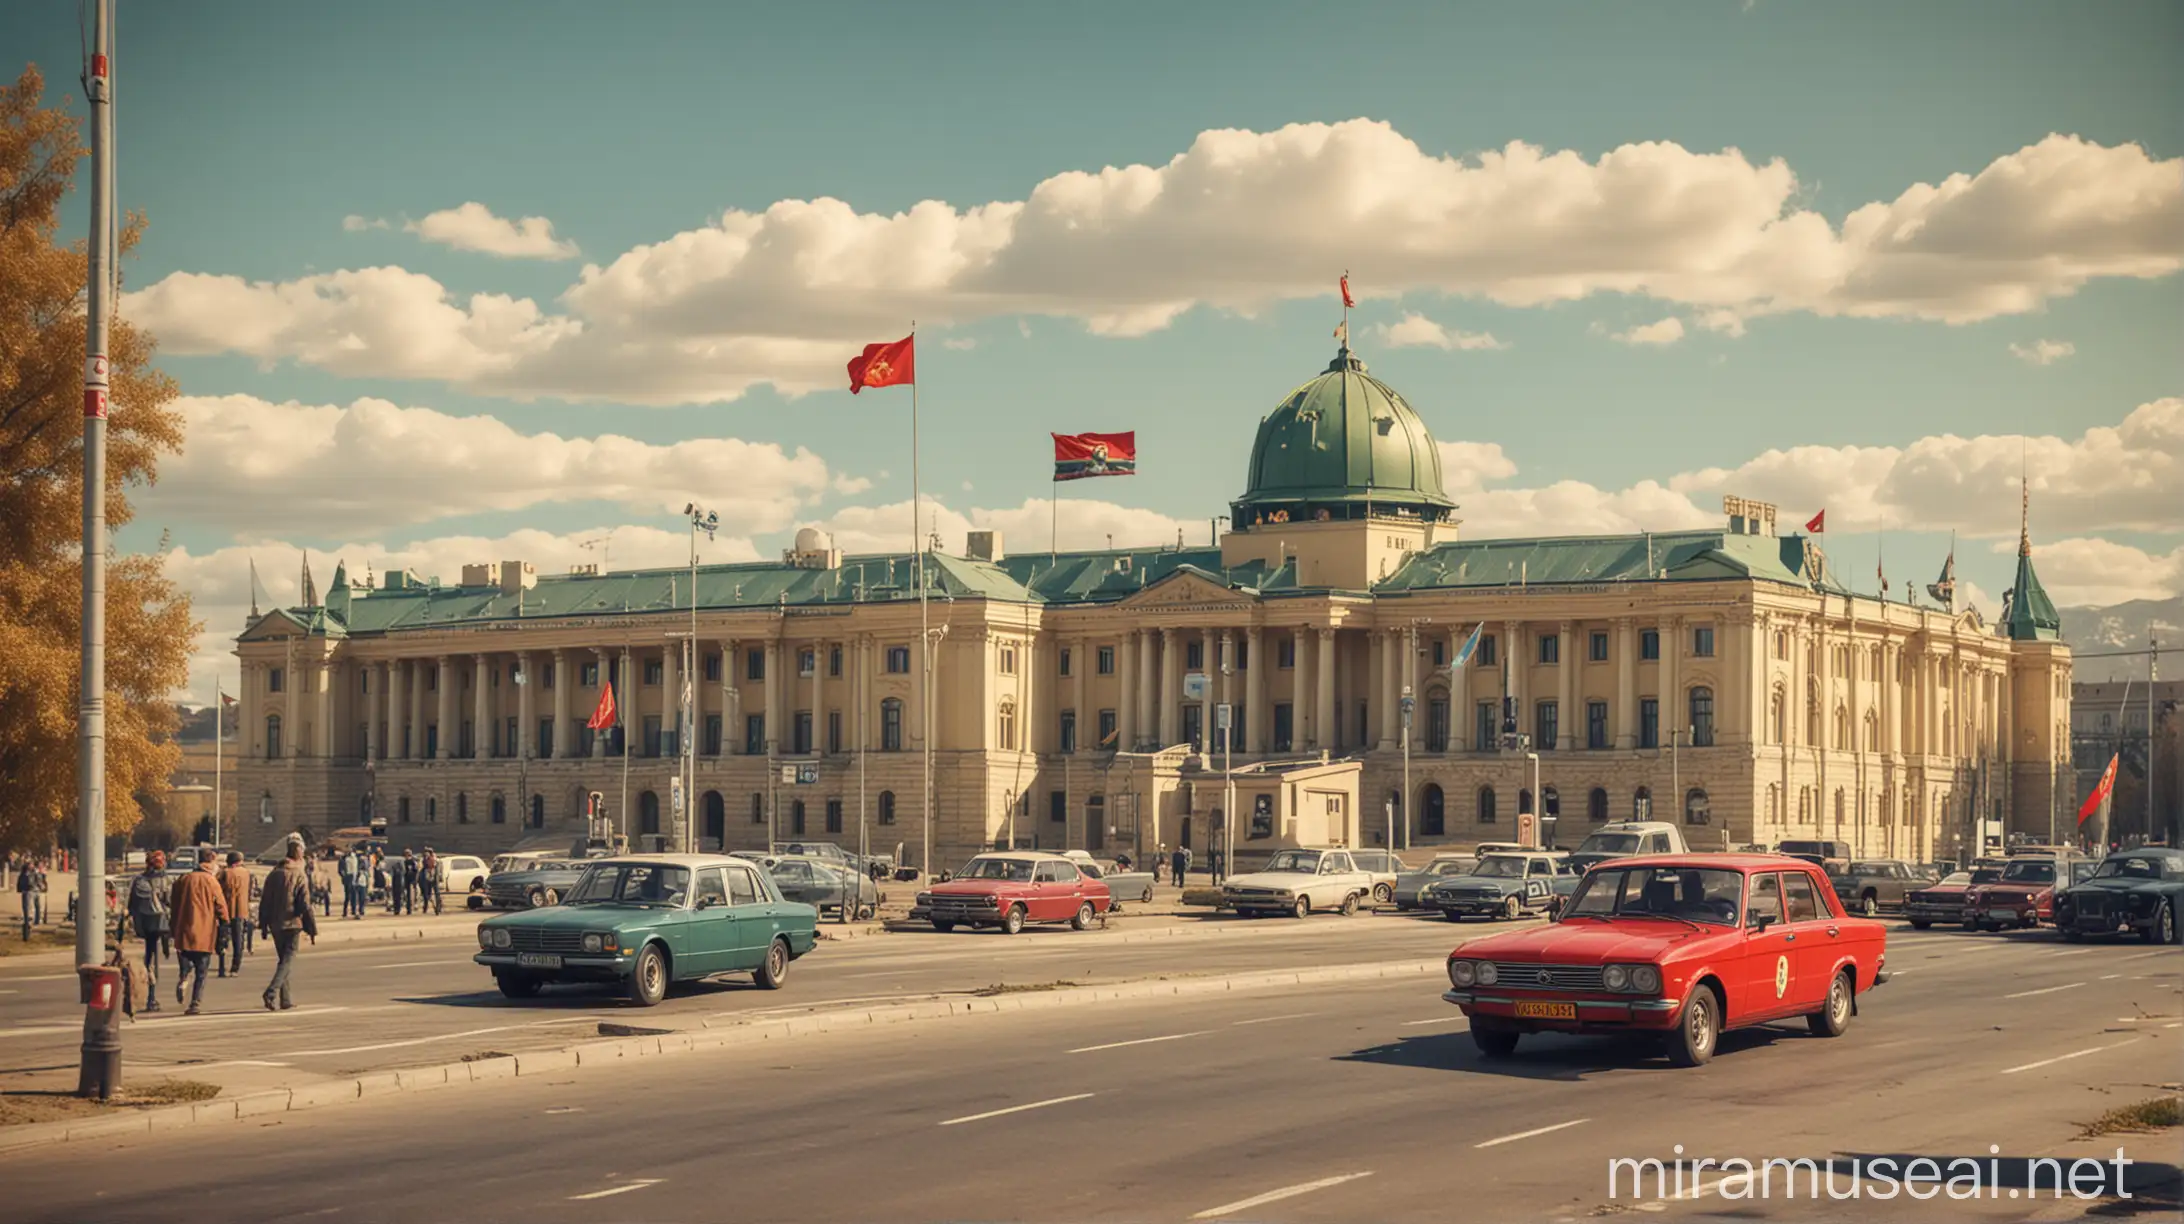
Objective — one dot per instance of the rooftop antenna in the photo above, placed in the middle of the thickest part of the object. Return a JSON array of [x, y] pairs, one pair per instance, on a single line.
[[602, 547]]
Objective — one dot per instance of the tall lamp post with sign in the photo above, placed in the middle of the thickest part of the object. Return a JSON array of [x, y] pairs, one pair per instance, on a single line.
[[708, 522], [1224, 721]]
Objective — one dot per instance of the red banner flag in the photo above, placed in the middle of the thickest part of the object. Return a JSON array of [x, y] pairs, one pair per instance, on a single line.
[[1347, 300], [1081, 456], [1817, 523], [602, 717], [884, 365], [2099, 798]]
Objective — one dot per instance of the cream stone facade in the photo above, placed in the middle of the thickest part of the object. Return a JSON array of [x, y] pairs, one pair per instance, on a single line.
[[1722, 678]]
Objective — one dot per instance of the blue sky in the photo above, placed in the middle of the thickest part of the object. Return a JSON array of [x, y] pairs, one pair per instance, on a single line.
[[248, 132]]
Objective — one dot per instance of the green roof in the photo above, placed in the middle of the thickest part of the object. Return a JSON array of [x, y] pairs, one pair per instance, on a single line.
[[2031, 616], [1683, 556], [1343, 439]]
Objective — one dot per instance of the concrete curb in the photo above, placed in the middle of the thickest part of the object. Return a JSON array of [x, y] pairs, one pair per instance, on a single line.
[[713, 1036]]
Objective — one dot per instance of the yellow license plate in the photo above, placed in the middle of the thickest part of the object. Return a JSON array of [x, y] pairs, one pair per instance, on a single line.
[[1546, 1011]]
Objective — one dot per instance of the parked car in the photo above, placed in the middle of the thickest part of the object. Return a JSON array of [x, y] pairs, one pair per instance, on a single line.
[[1941, 901], [849, 893], [645, 922], [2138, 890], [875, 866], [1410, 884], [1624, 838], [463, 873], [537, 886], [1819, 852], [1121, 885], [1385, 868], [2024, 894], [1868, 886], [1011, 890], [1504, 886], [1296, 882], [1678, 948], [184, 858]]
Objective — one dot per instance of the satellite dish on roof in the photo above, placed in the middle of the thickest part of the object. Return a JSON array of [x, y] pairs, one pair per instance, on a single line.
[[810, 539]]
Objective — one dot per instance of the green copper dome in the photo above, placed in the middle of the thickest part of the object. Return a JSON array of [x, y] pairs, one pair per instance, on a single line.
[[1338, 444]]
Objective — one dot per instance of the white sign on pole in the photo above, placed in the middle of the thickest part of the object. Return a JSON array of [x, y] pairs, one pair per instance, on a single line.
[[1221, 716], [1195, 686], [788, 775], [675, 796]]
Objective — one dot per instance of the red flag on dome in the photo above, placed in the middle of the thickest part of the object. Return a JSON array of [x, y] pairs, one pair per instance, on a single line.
[[1347, 300], [2101, 791], [1818, 523], [602, 717], [884, 365]]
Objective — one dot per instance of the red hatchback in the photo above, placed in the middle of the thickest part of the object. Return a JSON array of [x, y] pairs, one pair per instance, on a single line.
[[1011, 890], [1680, 948]]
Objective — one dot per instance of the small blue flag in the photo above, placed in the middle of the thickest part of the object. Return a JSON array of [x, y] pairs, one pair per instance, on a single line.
[[1464, 652]]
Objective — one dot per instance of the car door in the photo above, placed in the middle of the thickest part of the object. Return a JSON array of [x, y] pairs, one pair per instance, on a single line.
[[1333, 883], [1769, 967], [1539, 881], [1814, 939], [751, 910], [710, 936]]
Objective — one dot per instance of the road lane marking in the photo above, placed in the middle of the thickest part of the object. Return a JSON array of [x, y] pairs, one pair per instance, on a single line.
[[2137, 956], [65, 977], [611, 1192], [2049, 1062], [148, 1024], [1275, 1196], [1435, 1020], [2110, 977], [2026, 994], [2074, 952], [995, 1113], [420, 964], [1272, 1019], [395, 1045], [1116, 1045], [1544, 1130]]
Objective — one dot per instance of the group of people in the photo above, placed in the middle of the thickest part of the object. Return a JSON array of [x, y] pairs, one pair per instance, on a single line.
[[1179, 866], [411, 885], [201, 918]]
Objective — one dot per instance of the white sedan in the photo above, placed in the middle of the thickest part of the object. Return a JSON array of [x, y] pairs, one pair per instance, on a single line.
[[1296, 882]]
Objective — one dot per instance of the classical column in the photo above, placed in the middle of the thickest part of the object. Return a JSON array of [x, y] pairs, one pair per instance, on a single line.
[[1386, 714], [375, 692], [444, 676], [731, 698], [1675, 712], [1566, 712], [1512, 644], [1891, 697], [1303, 692], [1126, 691], [1148, 659], [1211, 664], [564, 720], [1256, 715], [325, 670], [1323, 718], [670, 692], [1459, 693], [1171, 683], [1081, 661], [481, 718], [1626, 684], [526, 709], [418, 670], [776, 684], [818, 697]]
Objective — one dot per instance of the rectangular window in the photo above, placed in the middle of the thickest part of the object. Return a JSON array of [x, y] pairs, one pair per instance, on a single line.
[[467, 745], [1194, 724], [1061, 662], [1057, 807], [432, 739], [1596, 725], [1649, 722], [898, 660], [1649, 644], [1007, 660], [1440, 653], [1069, 731], [432, 679], [494, 674], [1362, 707], [1702, 642], [1599, 647], [513, 738], [1486, 654], [1242, 649], [1550, 648], [547, 676], [800, 734], [834, 815], [1194, 656], [1285, 726], [712, 735], [591, 675], [1546, 721], [1702, 718], [834, 661], [1485, 733], [545, 750], [274, 679], [754, 665], [1285, 654], [654, 668], [834, 730], [364, 680], [712, 667], [807, 662], [758, 808], [1437, 725], [584, 737], [1107, 730], [652, 736], [754, 735], [1107, 661]]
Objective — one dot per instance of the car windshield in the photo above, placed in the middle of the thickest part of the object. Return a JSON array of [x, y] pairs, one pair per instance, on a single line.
[[1018, 870], [2030, 871], [1306, 861], [1956, 879], [1805, 847], [1986, 875], [645, 884], [1609, 843], [1696, 894], [2137, 867], [1451, 867], [1500, 867]]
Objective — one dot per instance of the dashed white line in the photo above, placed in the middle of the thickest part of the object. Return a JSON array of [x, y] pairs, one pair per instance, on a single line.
[[1116, 1045], [1544, 1130], [1271, 1019], [639, 1184], [1451, 1018], [995, 1113], [2026, 994], [2074, 952], [1275, 1196], [419, 964], [2110, 977], [2049, 1062], [2135, 956], [396, 1045]]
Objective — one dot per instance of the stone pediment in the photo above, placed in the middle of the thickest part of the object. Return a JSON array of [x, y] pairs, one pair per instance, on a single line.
[[274, 625], [1188, 590]]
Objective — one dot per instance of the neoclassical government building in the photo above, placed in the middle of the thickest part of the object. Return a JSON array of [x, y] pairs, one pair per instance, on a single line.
[[1727, 679]]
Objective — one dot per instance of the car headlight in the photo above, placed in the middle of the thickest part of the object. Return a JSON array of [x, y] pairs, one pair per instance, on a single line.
[[1461, 973], [501, 938], [485, 937], [1488, 975], [992, 902], [594, 943], [925, 899], [1615, 977], [1645, 979]]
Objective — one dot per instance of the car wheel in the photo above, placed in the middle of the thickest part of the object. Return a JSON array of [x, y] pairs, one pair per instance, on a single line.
[[1692, 1045], [1920, 924], [1012, 923], [1302, 908], [2071, 935], [1382, 894], [1512, 909], [1494, 1043], [537, 899], [1869, 905], [1148, 897], [1834, 1015], [1452, 915], [1349, 906], [477, 902], [1083, 919], [943, 927], [2163, 930], [648, 979], [775, 969], [517, 985]]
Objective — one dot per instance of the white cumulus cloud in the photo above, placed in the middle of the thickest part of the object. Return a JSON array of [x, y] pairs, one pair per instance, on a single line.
[[2043, 352], [356, 225], [473, 227], [1417, 331], [1660, 332], [1082, 523], [2083, 572]]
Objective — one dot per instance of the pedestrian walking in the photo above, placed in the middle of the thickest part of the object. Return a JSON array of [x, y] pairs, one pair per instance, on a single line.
[[322, 894], [148, 915], [1179, 864], [345, 868], [285, 913], [38, 886], [405, 873], [235, 882], [26, 880], [199, 908], [428, 882]]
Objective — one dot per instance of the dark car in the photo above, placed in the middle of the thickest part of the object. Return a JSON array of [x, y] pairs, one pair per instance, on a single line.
[[827, 887], [1504, 886], [1869, 886], [2131, 890], [1827, 855], [2024, 895], [540, 885]]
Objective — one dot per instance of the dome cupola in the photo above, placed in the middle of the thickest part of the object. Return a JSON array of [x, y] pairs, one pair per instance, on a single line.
[[1342, 446]]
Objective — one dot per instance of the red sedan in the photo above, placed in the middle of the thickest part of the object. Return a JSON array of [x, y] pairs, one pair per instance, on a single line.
[[1679, 948], [1008, 890]]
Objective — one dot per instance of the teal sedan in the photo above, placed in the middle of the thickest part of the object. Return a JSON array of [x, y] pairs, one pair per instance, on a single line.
[[643, 922]]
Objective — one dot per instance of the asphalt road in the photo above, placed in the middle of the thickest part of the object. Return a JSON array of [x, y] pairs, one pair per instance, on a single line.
[[1356, 1102]]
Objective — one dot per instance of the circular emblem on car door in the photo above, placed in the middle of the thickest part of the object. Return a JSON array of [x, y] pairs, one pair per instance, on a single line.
[[1781, 976], [1546, 978]]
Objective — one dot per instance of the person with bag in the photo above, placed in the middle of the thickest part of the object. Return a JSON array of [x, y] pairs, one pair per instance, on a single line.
[[285, 913], [199, 908], [148, 915]]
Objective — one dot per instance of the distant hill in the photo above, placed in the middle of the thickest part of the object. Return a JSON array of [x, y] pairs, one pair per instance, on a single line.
[[2124, 627]]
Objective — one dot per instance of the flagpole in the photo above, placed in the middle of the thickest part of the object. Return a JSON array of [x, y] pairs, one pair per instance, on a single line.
[[1054, 521], [219, 718], [925, 633]]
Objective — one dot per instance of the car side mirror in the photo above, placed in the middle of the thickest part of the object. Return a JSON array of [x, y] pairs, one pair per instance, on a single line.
[[1758, 920]]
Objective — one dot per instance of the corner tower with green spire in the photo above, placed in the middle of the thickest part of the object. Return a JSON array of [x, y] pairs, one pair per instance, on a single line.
[[2030, 616]]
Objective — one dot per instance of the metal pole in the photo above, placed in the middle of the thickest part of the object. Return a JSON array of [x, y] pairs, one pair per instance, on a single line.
[[925, 637], [218, 718], [2153, 678], [621, 718], [91, 725], [1538, 808], [863, 693]]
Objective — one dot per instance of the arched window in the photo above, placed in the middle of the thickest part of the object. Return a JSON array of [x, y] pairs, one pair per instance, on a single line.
[[1596, 805], [1872, 732], [1641, 803], [887, 807], [499, 810], [1782, 645], [272, 737], [462, 807], [1702, 717], [1842, 729], [1005, 725], [648, 813], [1696, 809], [1777, 729], [1432, 819], [796, 817], [891, 724], [538, 811], [1486, 805]]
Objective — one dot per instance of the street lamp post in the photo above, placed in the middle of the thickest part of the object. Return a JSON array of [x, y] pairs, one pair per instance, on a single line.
[[1533, 757], [1226, 717], [708, 522]]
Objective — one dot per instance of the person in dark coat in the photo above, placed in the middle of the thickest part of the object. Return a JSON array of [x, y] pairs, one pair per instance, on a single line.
[[235, 883], [198, 906], [285, 913], [148, 895], [1179, 864]]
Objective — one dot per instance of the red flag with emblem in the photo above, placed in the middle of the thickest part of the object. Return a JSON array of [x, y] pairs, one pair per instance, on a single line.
[[884, 365], [602, 717], [2099, 798], [1817, 523], [1078, 456], [1347, 300]]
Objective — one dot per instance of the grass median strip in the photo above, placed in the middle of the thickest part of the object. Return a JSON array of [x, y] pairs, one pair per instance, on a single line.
[[20, 1108]]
